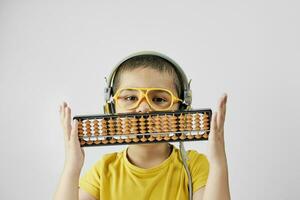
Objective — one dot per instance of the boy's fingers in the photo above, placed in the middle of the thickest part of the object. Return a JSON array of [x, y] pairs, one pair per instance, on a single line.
[[64, 104], [74, 132], [62, 121], [224, 111], [67, 121], [213, 126], [68, 115], [222, 108], [61, 111], [219, 110]]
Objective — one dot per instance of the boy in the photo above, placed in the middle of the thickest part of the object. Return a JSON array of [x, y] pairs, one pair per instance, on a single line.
[[146, 171]]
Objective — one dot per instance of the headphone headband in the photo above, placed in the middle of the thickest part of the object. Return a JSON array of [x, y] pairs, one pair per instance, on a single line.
[[187, 93]]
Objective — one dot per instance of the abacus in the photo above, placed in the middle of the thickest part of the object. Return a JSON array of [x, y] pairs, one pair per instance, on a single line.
[[132, 128]]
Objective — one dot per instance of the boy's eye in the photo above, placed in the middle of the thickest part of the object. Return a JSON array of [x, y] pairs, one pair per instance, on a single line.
[[159, 100], [130, 98]]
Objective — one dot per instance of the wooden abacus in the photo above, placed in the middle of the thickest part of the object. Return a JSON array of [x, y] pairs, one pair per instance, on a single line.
[[132, 128]]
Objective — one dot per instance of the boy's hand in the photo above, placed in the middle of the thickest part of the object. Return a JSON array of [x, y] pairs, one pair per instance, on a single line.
[[216, 145], [74, 153]]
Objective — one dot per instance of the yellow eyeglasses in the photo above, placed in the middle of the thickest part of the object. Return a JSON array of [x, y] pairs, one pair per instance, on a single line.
[[159, 99]]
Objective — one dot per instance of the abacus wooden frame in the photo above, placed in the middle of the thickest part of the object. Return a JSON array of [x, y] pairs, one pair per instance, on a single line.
[[80, 118]]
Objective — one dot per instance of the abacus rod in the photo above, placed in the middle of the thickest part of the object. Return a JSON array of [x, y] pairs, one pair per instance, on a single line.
[[141, 134], [142, 114]]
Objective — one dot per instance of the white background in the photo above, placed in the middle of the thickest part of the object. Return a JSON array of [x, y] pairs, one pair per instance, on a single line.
[[56, 51]]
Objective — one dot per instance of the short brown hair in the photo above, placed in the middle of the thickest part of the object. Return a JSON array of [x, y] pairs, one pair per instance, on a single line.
[[149, 61]]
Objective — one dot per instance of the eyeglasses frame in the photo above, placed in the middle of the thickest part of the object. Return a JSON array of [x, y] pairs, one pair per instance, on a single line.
[[142, 91]]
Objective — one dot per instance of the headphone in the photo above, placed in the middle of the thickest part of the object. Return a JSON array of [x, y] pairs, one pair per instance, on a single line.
[[109, 107]]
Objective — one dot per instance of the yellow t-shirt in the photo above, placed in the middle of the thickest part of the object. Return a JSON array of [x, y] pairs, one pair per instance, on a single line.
[[114, 178]]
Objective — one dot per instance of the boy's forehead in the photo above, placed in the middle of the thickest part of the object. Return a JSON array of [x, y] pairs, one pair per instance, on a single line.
[[146, 78]]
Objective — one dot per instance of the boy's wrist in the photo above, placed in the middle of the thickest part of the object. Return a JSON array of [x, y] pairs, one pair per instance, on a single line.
[[220, 165], [71, 170]]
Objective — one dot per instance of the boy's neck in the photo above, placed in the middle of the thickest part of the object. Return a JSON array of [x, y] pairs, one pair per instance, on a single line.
[[148, 155]]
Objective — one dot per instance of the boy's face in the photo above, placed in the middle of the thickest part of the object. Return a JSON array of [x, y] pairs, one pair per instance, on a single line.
[[146, 78]]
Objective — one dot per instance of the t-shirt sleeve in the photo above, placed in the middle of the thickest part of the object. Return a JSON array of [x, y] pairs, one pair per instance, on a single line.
[[199, 168], [90, 181]]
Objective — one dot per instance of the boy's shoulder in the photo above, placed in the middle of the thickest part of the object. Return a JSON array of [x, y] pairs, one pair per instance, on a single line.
[[112, 155], [194, 157], [110, 158], [193, 154]]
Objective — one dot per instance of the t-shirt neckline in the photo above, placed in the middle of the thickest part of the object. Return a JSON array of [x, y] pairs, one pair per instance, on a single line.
[[154, 169]]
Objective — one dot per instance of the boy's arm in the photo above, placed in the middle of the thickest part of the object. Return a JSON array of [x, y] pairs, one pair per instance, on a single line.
[[85, 196], [68, 188], [217, 186], [198, 195]]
